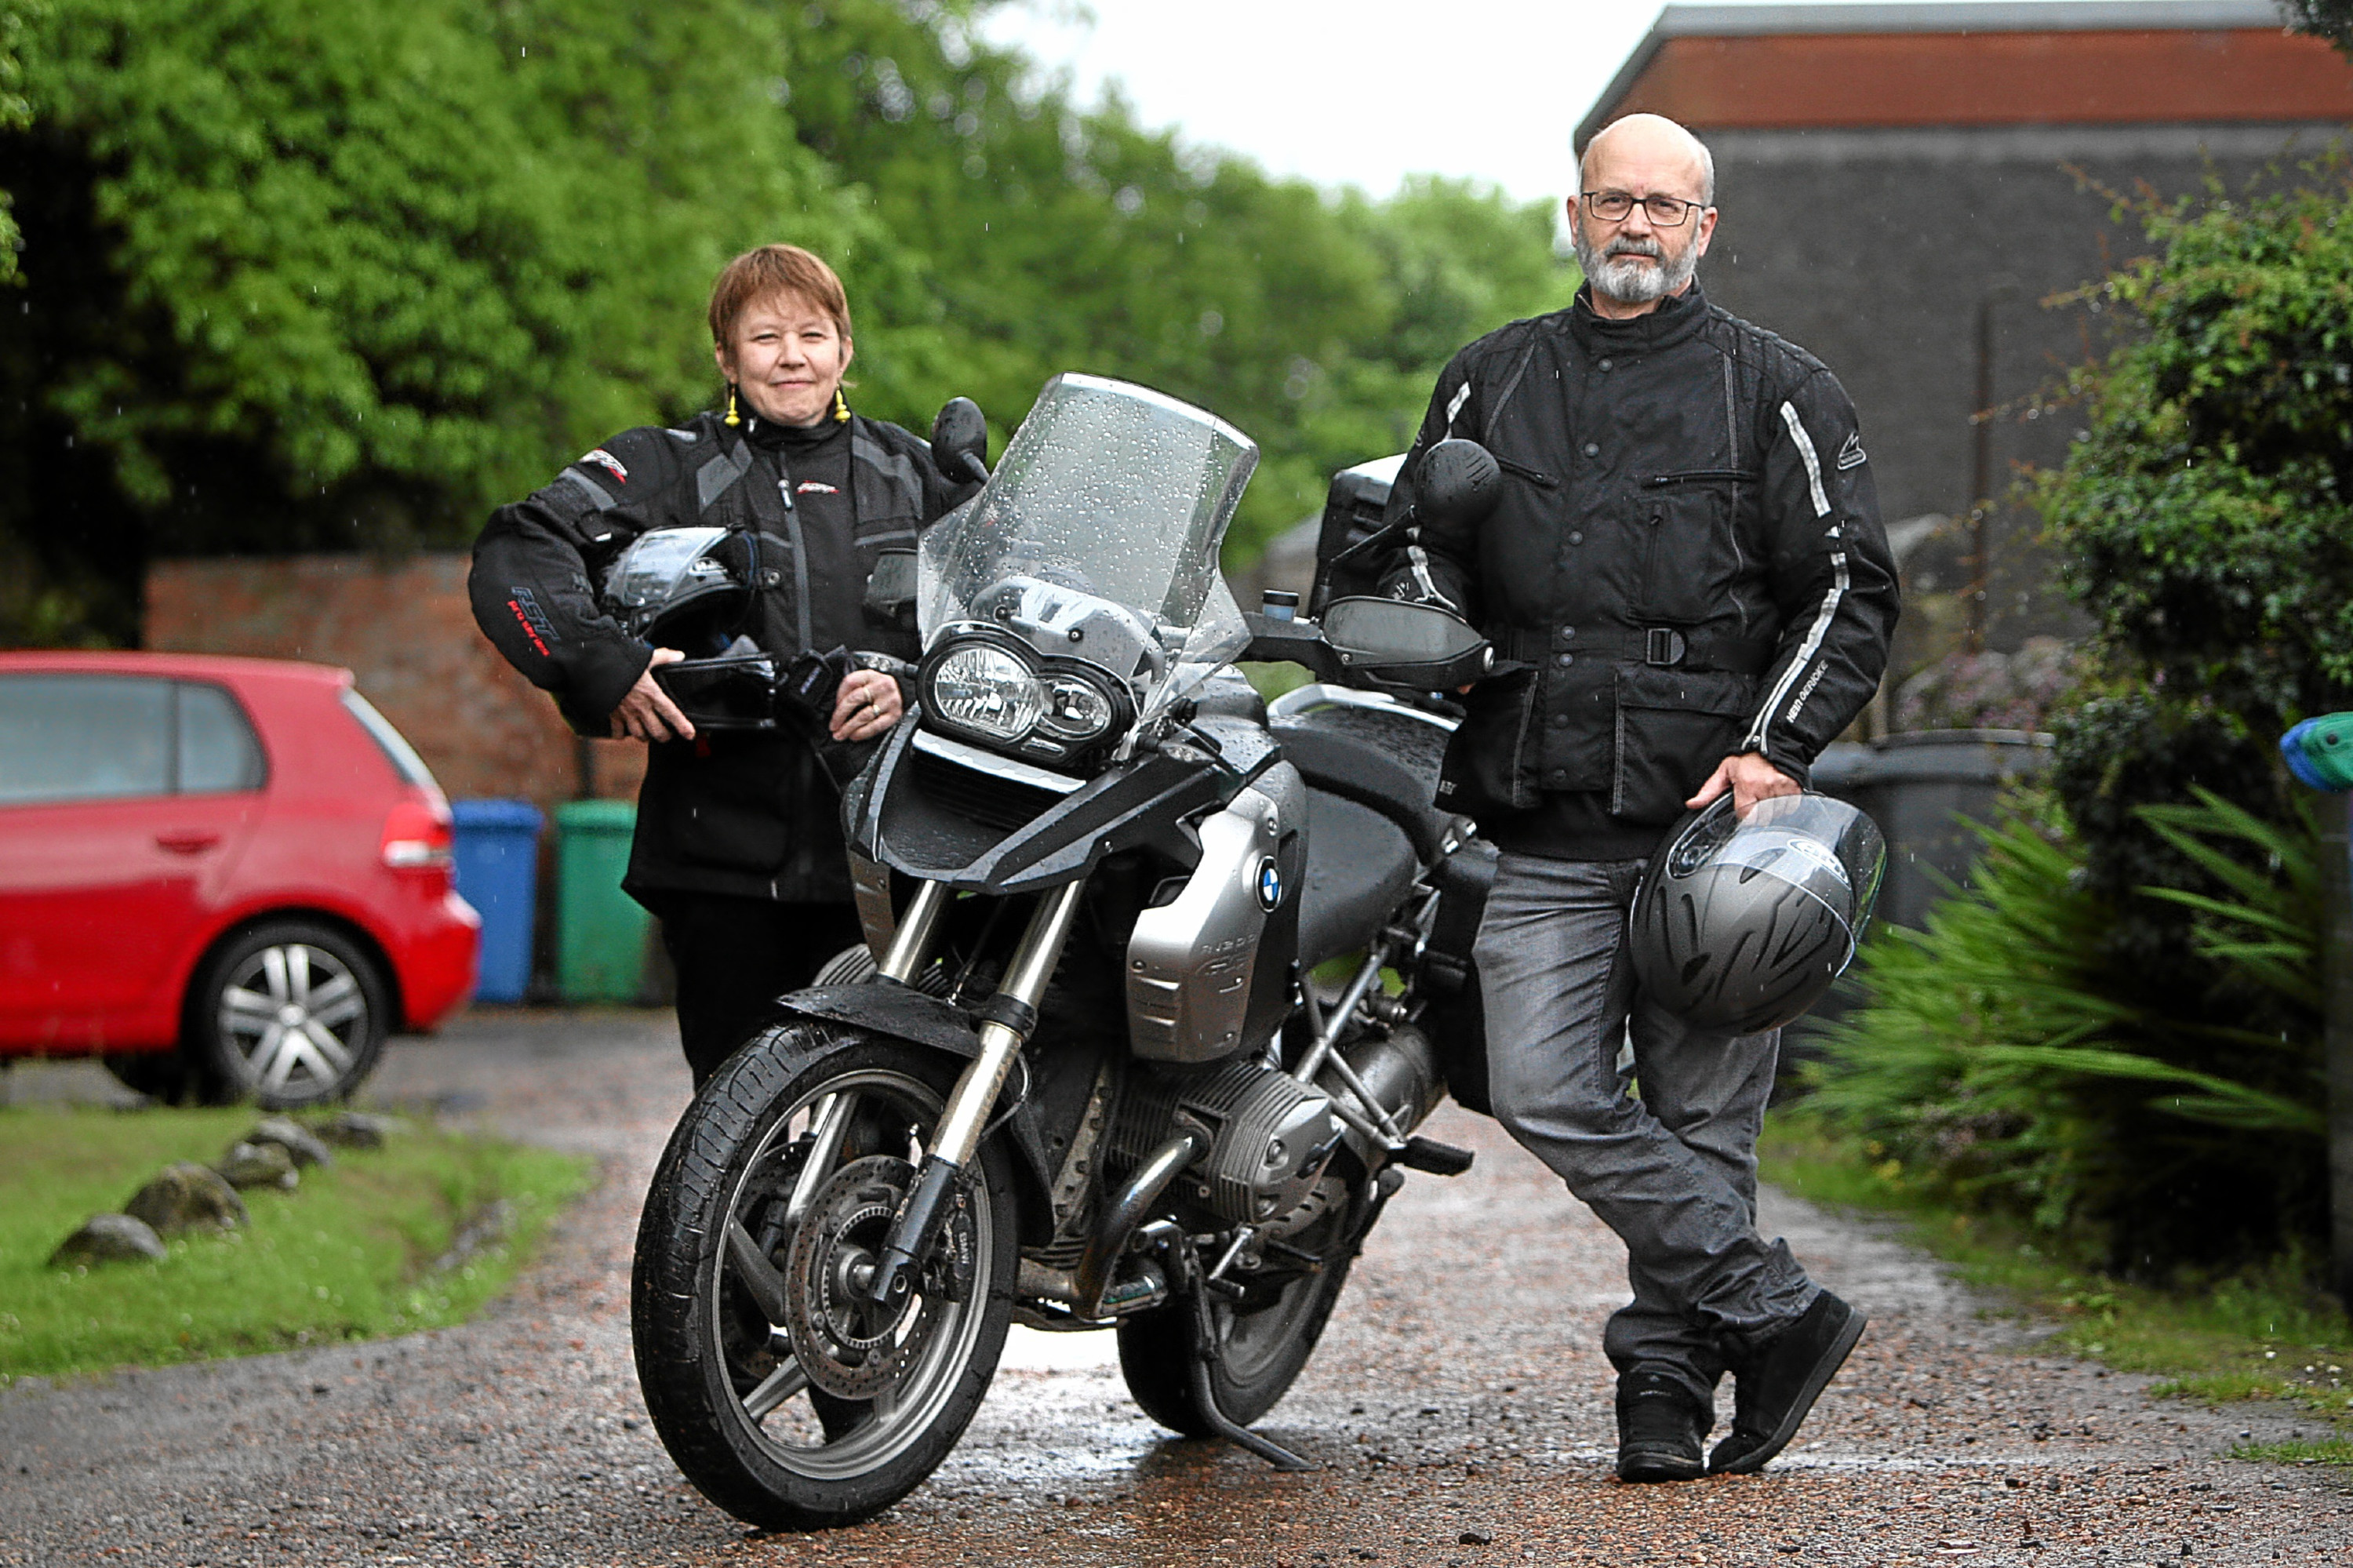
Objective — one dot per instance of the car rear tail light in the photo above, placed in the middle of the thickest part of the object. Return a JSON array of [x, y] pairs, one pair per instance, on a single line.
[[416, 836]]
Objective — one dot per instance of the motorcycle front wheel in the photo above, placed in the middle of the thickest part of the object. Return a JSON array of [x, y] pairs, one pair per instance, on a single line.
[[784, 1396]]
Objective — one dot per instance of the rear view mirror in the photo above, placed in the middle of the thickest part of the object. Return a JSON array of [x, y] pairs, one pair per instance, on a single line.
[[1458, 482], [890, 588], [1418, 645], [960, 441]]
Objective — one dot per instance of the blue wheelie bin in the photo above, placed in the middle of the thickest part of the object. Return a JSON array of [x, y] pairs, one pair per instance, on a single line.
[[497, 855]]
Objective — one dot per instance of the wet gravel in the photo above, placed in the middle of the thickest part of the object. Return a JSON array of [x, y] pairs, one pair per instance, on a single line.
[[1458, 1412]]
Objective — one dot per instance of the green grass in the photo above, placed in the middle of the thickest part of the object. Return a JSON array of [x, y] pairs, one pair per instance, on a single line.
[[2255, 1335], [2336, 1451], [351, 1254]]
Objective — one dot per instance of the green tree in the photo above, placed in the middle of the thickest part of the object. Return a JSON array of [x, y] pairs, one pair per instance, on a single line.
[[2330, 19], [301, 281], [1031, 235], [15, 114], [301, 276]]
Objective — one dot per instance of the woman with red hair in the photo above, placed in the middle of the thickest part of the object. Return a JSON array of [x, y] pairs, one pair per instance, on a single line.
[[738, 848]]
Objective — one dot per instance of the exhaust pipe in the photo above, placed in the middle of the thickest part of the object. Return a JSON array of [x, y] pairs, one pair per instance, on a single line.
[[1126, 1211], [1398, 1069]]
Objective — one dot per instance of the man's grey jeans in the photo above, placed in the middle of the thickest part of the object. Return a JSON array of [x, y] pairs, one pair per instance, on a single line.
[[1668, 1162]]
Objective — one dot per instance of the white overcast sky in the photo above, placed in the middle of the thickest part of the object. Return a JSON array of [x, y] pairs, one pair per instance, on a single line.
[[1357, 92]]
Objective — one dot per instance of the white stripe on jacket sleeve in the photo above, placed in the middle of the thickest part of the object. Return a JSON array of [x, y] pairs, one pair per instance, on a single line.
[[1755, 738]]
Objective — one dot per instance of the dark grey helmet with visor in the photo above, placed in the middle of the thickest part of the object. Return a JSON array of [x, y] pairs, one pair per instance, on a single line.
[[1740, 926]]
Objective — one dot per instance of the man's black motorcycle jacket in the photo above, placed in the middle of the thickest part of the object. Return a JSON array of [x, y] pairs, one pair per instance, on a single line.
[[1687, 563], [745, 813]]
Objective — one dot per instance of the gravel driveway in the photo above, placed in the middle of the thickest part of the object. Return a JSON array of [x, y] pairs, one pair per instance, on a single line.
[[1458, 1411]]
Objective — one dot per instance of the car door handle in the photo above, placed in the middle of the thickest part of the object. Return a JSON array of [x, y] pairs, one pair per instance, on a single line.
[[191, 841]]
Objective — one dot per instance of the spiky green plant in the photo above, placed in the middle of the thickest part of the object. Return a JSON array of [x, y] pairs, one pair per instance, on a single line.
[[1999, 1057]]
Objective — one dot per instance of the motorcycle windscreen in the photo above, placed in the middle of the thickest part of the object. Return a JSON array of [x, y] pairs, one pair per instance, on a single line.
[[1110, 490]]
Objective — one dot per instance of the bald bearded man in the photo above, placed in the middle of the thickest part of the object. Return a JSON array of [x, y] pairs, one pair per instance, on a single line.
[[1689, 579]]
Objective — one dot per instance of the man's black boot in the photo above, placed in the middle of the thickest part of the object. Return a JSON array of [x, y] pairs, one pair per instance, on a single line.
[[1774, 1387], [1660, 1426]]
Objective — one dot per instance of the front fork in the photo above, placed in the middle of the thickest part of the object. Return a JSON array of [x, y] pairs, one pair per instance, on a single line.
[[1008, 1020]]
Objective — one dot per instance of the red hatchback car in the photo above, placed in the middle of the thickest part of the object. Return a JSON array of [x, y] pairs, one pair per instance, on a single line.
[[229, 877]]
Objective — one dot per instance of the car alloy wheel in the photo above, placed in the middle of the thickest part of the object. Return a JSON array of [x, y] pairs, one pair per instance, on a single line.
[[293, 1014]]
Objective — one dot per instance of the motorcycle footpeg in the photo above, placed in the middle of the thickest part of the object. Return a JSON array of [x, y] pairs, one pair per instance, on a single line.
[[1436, 1159]]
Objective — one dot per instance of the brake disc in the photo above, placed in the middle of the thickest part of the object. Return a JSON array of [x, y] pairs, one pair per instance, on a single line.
[[850, 1347]]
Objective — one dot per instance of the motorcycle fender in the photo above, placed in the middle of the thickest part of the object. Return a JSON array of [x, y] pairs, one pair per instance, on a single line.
[[902, 1012], [887, 1007]]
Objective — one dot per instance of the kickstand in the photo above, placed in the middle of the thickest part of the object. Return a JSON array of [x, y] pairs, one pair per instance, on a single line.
[[1205, 1399]]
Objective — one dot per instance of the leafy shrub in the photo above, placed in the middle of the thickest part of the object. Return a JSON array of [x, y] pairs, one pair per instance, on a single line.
[[2003, 1058], [2206, 523], [2115, 1029]]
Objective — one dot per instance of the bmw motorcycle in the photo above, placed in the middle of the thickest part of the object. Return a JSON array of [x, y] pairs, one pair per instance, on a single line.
[[1160, 978]]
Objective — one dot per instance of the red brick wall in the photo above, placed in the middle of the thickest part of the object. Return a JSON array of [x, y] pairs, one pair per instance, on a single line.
[[404, 630]]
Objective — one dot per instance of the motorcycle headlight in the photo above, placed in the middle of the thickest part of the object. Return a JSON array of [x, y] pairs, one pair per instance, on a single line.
[[985, 691], [1076, 709]]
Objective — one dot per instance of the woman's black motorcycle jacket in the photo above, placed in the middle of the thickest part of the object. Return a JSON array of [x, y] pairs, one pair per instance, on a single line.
[[748, 815]]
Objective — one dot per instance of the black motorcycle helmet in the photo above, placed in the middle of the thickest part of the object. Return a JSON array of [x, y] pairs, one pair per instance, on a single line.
[[1740, 926], [690, 588]]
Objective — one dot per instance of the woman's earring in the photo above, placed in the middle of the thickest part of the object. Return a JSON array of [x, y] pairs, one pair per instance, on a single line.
[[841, 408], [731, 421]]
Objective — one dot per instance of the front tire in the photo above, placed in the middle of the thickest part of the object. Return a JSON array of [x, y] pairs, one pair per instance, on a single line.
[[837, 1116]]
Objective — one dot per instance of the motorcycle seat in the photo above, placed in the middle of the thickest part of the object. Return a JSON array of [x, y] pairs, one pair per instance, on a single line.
[[1356, 769]]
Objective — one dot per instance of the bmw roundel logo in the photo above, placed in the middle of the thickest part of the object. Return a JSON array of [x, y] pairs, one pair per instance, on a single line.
[[1269, 882]]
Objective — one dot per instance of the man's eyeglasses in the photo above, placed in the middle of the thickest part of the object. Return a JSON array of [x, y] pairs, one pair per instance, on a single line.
[[1663, 211]]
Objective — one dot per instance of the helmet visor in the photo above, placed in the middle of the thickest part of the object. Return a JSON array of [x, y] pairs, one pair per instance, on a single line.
[[1815, 842], [662, 571]]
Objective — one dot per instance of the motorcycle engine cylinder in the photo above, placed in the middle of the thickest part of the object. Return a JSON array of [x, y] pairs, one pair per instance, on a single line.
[[1270, 1136]]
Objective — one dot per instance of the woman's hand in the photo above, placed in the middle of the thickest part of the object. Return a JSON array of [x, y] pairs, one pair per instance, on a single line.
[[647, 712], [867, 706]]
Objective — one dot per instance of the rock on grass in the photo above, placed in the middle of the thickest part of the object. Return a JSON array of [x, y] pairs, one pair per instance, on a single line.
[[258, 1165], [358, 1130], [108, 1238], [292, 1136], [185, 1196]]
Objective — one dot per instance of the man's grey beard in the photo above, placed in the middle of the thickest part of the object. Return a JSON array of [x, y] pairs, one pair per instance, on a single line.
[[1631, 282]]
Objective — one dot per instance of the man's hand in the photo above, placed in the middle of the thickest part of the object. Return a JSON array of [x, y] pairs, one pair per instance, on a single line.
[[1750, 779], [647, 712], [867, 706]]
